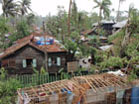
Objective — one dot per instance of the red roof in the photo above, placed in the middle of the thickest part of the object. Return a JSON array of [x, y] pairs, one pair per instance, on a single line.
[[30, 40]]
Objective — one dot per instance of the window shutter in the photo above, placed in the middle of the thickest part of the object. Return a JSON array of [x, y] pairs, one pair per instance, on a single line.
[[49, 62], [24, 64], [34, 63], [58, 61]]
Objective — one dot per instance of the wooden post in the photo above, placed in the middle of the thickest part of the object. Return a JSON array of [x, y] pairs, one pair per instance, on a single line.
[[46, 61]]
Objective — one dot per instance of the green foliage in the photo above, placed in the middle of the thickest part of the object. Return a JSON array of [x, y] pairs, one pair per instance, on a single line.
[[86, 50], [63, 75], [30, 19], [94, 17], [94, 41], [132, 76], [4, 29], [101, 32], [2, 73], [43, 71], [132, 47], [112, 62], [117, 37], [71, 46], [57, 25], [25, 6], [22, 29], [9, 8], [134, 20], [75, 36], [8, 88], [103, 5], [8, 91], [36, 72]]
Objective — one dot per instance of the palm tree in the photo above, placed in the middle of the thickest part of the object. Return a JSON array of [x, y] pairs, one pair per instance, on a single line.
[[118, 12], [9, 7], [103, 6], [30, 19], [25, 6]]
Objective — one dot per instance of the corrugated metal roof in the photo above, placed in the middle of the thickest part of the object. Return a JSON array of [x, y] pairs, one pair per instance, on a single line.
[[104, 22], [120, 24], [86, 32], [30, 40]]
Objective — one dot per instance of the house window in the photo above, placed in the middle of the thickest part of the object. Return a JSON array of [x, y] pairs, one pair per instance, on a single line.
[[24, 64], [58, 61], [34, 63], [54, 61], [49, 62], [29, 63]]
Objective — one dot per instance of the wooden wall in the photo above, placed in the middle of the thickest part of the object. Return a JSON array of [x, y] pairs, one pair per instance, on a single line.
[[29, 52]]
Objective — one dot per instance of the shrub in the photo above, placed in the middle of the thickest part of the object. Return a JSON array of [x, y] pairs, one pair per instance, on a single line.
[[112, 62], [8, 89], [117, 37]]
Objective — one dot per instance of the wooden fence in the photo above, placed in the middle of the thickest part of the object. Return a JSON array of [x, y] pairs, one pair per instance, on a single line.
[[37, 79]]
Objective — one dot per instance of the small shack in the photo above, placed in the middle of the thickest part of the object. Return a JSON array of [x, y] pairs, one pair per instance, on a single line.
[[106, 25], [91, 89], [34, 51]]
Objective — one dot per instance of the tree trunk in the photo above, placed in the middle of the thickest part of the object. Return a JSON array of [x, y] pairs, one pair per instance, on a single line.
[[118, 12], [45, 56], [126, 39], [100, 17], [69, 17]]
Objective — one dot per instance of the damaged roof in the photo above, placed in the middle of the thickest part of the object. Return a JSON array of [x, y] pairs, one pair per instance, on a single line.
[[104, 22], [120, 24], [87, 32], [31, 40]]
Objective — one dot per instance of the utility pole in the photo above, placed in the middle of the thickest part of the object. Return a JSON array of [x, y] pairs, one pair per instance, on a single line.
[[45, 52]]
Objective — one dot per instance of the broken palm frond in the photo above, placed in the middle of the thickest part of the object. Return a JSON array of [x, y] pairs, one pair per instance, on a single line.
[[83, 89]]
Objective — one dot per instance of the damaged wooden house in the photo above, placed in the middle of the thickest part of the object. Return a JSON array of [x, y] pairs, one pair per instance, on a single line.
[[34, 51]]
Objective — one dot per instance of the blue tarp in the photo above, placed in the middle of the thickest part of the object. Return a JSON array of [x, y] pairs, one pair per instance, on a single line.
[[42, 41], [135, 95]]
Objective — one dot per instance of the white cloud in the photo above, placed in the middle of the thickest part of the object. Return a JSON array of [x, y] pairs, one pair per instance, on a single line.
[[44, 7]]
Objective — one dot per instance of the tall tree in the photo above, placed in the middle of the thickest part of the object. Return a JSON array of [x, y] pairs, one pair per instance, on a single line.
[[132, 27], [25, 6], [9, 7], [4, 29], [103, 6], [30, 19], [118, 12], [69, 16]]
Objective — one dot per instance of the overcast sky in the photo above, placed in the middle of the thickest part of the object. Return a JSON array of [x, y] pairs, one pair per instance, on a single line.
[[44, 7]]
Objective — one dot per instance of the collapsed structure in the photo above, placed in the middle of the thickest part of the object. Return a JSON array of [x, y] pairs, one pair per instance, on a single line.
[[91, 89]]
